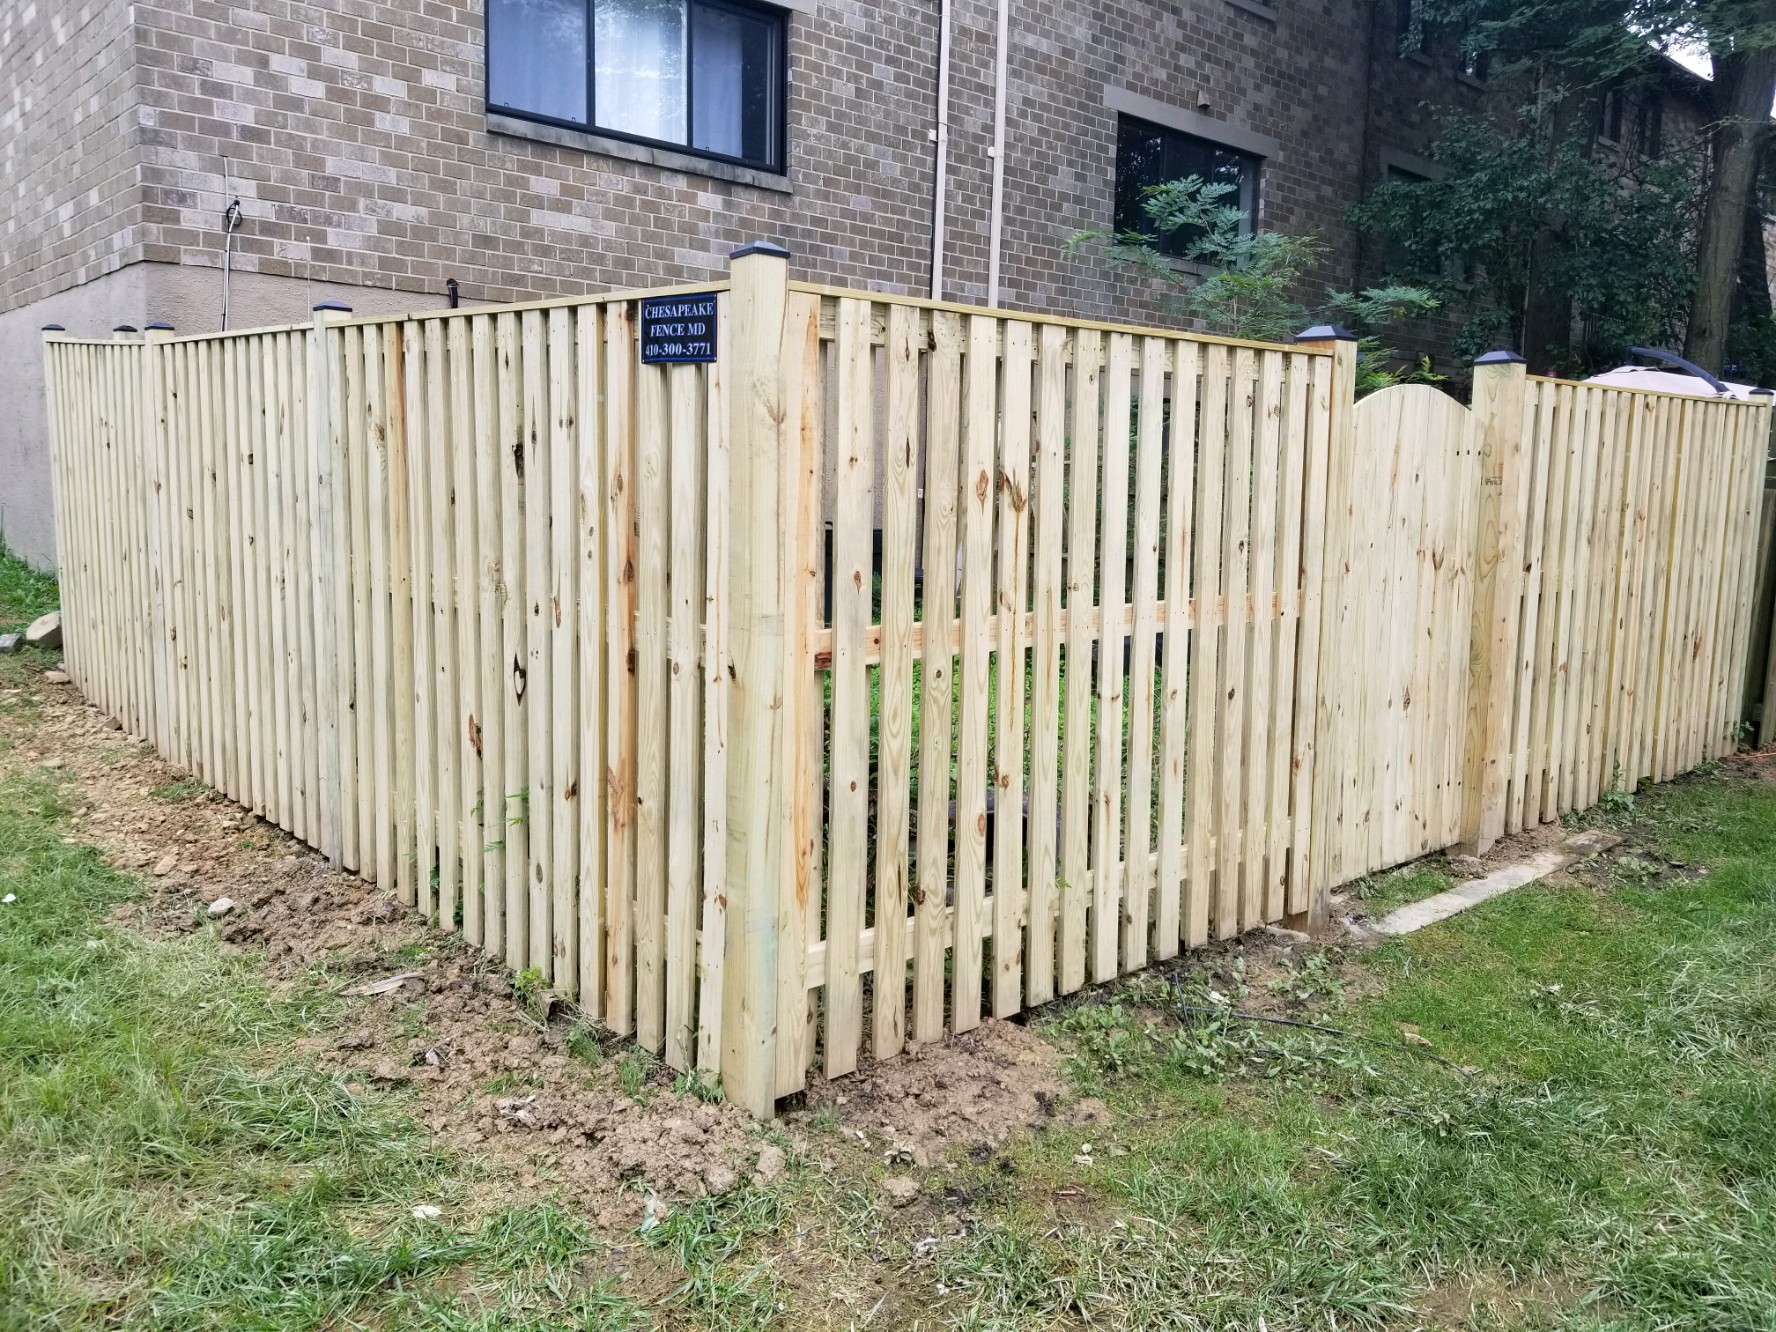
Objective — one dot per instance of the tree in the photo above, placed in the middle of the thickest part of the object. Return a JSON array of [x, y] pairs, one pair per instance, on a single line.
[[1254, 280], [1528, 235], [1561, 47]]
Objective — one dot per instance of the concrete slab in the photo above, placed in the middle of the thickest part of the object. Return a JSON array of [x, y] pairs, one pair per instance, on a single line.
[[1416, 915]]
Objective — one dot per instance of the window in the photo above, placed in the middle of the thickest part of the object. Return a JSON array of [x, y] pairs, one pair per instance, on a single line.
[[1397, 258], [1415, 37], [704, 75], [1649, 125], [1632, 122], [1610, 130], [1149, 155]]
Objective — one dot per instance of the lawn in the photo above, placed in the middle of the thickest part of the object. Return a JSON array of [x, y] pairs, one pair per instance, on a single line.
[[1555, 1111]]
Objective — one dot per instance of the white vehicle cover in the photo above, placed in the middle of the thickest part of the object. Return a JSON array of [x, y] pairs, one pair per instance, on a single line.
[[1666, 381]]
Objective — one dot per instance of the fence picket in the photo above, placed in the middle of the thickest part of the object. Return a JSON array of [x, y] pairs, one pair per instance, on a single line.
[[973, 677], [1048, 495], [1076, 723], [852, 590], [686, 444], [942, 461], [1137, 834], [463, 722], [1113, 538], [1011, 599], [490, 574], [560, 614], [900, 524], [420, 707], [1180, 535]]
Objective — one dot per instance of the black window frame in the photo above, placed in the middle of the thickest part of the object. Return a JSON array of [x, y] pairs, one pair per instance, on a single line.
[[1162, 243], [778, 162]]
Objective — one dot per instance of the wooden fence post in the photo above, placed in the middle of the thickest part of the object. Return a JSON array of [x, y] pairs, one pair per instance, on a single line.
[[762, 537], [1499, 384], [1326, 759]]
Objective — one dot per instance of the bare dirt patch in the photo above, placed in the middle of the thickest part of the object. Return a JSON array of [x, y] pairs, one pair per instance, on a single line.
[[483, 1071], [971, 1091]]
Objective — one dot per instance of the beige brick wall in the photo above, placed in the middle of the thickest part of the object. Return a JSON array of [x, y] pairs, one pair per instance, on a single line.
[[70, 198], [359, 146]]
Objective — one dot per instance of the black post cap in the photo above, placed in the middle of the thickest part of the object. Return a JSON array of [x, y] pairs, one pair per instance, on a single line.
[[337, 307], [124, 328], [1501, 356], [1763, 393], [1325, 333], [54, 328], [160, 326], [771, 248]]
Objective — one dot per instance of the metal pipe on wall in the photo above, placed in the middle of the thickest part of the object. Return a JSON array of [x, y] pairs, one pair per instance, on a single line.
[[941, 137], [998, 154]]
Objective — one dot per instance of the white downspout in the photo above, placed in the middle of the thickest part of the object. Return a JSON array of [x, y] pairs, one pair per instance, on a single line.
[[998, 154], [941, 137]]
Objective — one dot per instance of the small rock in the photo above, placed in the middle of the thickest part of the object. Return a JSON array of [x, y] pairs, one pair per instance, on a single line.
[[390, 1075], [9, 899], [358, 1040], [55, 763], [9, 643], [1412, 1036], [426, 1212], [221, 907], [1293, 936], [720, 1179], [165, 866], [112, 724], [57, 677], [771, 1164], [45, 631], [901, 1190]]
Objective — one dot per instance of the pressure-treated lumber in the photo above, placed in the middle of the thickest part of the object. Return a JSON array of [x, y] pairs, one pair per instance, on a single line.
[[904, 663]]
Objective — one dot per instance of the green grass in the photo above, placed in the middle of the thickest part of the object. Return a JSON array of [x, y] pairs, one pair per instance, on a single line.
[[25, 593], [1611, 1162], [162, 1166], [1385, 891]]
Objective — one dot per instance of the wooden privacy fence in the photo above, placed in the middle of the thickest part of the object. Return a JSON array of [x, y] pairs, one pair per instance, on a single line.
[[904, 664]]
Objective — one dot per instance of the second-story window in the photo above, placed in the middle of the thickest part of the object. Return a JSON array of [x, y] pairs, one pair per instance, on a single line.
[[1149, 155], [707, 76]]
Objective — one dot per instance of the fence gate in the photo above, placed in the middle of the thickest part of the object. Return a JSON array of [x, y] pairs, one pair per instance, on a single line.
[[1401, 674]]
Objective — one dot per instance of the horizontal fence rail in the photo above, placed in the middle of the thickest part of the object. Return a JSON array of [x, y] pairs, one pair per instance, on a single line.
[[903, 665]]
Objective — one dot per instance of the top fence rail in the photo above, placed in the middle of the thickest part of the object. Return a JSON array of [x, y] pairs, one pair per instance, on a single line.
[[353, 320]]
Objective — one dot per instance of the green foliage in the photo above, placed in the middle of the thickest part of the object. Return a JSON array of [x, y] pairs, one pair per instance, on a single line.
[[1254, 280], [25, 593], [1612, 240]]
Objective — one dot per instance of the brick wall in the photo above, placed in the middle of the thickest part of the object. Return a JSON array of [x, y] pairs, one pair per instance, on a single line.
[[358, 144], [70, 202]]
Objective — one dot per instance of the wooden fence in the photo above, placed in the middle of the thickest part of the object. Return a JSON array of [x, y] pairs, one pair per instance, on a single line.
[[905, 664]]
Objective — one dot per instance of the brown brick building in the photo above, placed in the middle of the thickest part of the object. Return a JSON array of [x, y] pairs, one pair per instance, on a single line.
[[624, 142]]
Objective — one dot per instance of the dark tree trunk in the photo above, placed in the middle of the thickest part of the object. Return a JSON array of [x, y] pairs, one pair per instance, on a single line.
[[1744, 86]]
